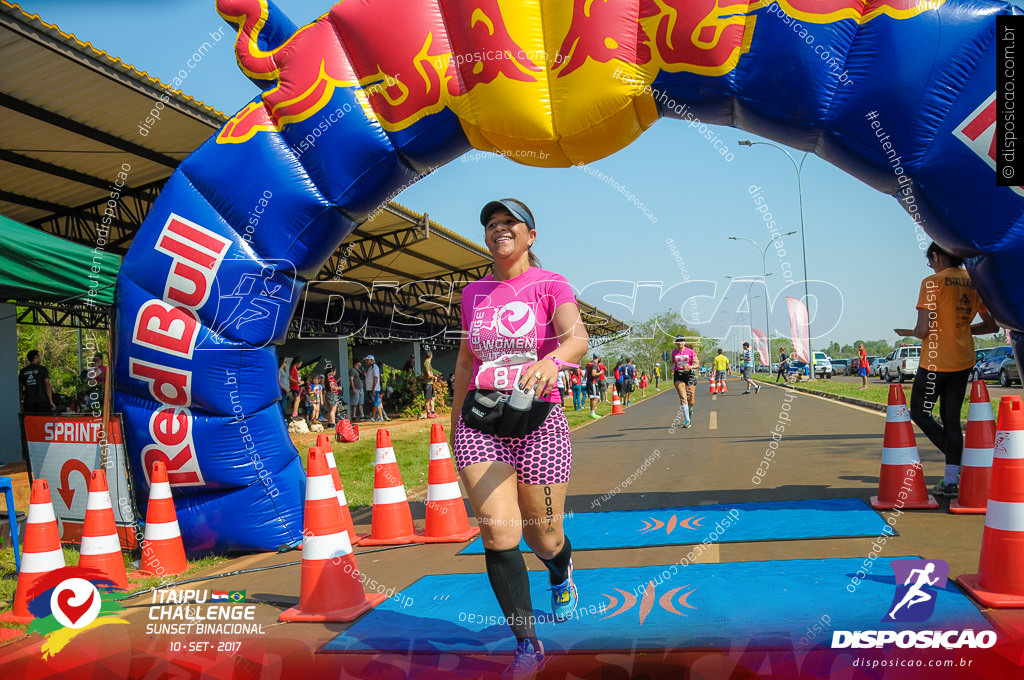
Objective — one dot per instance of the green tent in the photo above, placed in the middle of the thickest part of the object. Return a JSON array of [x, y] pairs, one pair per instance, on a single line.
[[41, 267]]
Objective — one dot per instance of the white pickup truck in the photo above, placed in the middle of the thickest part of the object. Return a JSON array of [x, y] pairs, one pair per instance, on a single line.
[[901, 363]]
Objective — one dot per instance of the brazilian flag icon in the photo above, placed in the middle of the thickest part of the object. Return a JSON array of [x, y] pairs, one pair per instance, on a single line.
[[237, 596]]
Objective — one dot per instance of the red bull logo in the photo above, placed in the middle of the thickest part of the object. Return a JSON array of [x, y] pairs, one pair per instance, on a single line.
[[404, 60]]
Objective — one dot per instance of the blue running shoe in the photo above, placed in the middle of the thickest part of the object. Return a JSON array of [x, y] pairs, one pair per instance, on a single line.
[[687, 423], [564, 597], [526, 662]]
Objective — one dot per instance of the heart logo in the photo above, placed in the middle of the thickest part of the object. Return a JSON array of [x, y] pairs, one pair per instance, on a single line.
[[74, 613], [515, 320], [75, 603]]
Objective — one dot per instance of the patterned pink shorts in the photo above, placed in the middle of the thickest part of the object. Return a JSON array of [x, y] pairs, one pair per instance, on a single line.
[[542, 457]]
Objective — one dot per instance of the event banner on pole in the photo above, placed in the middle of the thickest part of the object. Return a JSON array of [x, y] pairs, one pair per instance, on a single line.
[[798, 327], [762, 345], [64, 450]]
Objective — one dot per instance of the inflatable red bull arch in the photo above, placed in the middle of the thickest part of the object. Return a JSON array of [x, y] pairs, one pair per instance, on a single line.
[[375, 93]]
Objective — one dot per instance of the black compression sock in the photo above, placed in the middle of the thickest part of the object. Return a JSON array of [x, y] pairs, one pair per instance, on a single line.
[[558, 566], [510, 582]]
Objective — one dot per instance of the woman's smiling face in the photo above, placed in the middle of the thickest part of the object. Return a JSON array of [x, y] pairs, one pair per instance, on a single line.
[[507, 237]]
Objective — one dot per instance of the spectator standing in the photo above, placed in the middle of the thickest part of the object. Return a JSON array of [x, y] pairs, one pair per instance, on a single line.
[[946, 305], [593, 371], [355, 386], [282, 381], [316, 398], [657, 377], [295, 387], [576, 382], [617, 376], [628, 373], [643, 384], [409, 367], [372, 383], [862, 365], [34, 379], [602, 381], [332, 396], [428, 385]]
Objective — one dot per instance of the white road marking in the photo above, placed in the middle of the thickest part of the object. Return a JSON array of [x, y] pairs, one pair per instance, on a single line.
[[713, 422]]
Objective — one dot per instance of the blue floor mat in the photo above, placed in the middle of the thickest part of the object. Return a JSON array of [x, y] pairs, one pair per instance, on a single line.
[[701, 606], [778, 521]]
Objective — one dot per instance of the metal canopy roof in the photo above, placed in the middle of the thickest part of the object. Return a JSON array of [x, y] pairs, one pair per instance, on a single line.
[[71, 118]]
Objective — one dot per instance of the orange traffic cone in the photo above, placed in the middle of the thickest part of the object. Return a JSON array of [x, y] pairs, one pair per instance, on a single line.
[[392, 517], [722, 389], [901, 464], [1000, 578], [976, 472], [41, 553], [163, 553], [101, 548], [330, 588], [447, 521], [323, 442], [616, 404], [712, 386]]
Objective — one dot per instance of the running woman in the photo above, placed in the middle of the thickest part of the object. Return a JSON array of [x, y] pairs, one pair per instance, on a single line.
[[747, 368], [684, 364], [521, 327]]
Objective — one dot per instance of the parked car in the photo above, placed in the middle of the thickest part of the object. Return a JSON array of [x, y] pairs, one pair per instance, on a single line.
[[902, 363], [822, 366], [840, 365], [875, 367], [1008, 372], [988, 367], [854, 366]]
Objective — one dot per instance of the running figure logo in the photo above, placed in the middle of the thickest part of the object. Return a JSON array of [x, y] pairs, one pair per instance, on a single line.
[[914, 601]]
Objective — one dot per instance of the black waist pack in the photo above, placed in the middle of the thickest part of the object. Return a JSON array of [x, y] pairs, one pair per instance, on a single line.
[[488, 411]]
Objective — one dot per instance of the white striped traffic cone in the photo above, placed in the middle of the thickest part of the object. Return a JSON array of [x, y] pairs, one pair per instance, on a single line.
[[392, 516], [1000, 578], [901, 465], [976, 470], [446, 519], [330, 587], [323, 442], [41, 553], [163, 553], [101, 547]]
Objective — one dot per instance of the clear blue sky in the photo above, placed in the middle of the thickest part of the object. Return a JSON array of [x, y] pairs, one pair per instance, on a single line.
[[859, 240]]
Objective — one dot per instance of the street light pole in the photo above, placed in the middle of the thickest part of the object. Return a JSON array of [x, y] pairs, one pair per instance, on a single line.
[[803, 240], [764, 273]]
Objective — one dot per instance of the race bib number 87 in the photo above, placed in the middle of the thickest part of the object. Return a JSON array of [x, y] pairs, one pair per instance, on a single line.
[[504, 373]]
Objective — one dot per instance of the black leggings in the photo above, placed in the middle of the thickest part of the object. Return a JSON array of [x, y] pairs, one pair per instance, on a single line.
[[949, 390]]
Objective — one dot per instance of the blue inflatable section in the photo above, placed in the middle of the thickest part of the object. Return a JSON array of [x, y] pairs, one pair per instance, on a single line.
[[367, 98]]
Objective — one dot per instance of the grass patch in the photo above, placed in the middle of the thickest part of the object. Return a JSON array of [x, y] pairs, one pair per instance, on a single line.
[[878, 394]]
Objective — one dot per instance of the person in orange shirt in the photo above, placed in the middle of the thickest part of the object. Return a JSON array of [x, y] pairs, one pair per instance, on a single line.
[[946, 306]]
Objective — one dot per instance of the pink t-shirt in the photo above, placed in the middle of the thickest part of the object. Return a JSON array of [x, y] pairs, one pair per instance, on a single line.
[[509, 324], [684, 359]]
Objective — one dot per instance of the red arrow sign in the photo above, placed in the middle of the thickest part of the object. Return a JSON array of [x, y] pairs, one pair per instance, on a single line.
[[69, 466]]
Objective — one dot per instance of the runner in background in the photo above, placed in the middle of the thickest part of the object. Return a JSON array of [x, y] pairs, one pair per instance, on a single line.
[[684, 377], [747, 369]]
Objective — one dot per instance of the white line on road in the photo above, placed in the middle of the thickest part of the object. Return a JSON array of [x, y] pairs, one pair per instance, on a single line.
[[713, 422]]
